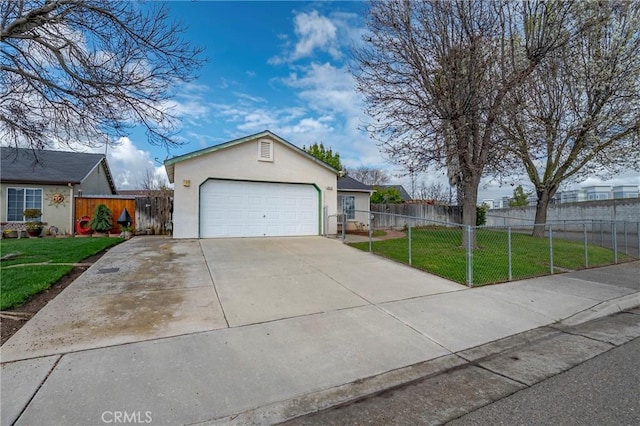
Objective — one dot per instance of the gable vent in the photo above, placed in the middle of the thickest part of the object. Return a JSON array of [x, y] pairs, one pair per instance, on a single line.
[[265, 150]]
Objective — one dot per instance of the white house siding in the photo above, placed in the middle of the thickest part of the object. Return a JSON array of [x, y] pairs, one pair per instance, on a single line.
[[240, 162], [361, 206]]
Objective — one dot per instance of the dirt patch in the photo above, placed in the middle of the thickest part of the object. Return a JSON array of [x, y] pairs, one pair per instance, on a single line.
[[8, 326], [390, 234]]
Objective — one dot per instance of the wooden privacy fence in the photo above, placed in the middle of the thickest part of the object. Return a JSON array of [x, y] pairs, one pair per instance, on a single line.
[[153, 214], [86, 206], [428, 212]]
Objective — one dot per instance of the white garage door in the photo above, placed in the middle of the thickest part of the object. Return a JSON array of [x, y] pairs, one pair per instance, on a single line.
[[256, 209]]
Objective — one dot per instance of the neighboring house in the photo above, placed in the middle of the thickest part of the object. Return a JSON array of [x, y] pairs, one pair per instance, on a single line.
[[50, 183], [259, 185], [403, 192], [353, 201]]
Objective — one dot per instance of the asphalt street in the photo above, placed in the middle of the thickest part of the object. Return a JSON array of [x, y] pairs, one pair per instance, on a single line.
[[601, 391]]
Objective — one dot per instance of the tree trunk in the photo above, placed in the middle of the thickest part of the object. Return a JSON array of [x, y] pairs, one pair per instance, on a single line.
[[469, 213], [541, 213]]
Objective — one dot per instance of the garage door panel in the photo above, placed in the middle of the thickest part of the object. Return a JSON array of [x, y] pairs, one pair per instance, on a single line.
[[247, 209]]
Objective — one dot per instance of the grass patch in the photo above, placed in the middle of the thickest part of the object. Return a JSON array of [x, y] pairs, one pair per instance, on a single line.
[[438, 251], [18, 284]]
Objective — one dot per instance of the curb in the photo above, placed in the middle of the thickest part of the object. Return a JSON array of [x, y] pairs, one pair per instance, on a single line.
[[311, 403], [604, 309], [346, 394]]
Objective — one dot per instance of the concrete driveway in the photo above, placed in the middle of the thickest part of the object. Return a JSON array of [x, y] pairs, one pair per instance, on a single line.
[[259, 280], [259, 330], [156, 287]]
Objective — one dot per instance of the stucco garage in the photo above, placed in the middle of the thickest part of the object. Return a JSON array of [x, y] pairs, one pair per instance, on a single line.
[[259, 185]]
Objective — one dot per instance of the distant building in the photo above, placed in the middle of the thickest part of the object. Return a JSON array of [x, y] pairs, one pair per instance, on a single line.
[[490, 203], [625, 191], [588, 193], [573, 196], [597, 192]]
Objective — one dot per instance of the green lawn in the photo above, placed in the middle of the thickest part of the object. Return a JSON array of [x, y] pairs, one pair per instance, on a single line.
[[438, 251], [18, 284]]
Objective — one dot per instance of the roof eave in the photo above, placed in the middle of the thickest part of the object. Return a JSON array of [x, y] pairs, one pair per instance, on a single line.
[[170, 170], [40, 182], [370, 191]]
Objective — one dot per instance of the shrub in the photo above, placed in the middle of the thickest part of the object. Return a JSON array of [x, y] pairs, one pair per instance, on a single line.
[[102, 219], [481, 215]]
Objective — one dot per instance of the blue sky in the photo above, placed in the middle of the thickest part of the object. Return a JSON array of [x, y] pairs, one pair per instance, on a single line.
[[281, 66]]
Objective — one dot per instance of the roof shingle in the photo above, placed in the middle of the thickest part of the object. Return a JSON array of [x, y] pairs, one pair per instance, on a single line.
[[50, 167], [347, 183]]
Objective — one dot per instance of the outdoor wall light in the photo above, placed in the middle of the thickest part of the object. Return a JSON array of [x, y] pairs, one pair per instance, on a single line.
[[186, 182]]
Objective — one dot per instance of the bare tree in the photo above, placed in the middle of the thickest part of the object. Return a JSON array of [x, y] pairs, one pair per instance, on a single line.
[[369, 175], [579, 113], [152, 183], [435, 75], [434, 192], [84, 71]]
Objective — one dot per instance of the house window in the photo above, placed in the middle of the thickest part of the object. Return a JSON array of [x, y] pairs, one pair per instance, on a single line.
[[347, 206], [265, 150], [20, 199]]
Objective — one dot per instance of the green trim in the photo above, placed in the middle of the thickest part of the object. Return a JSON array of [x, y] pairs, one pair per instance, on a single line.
[[320, 215], [258, 181]]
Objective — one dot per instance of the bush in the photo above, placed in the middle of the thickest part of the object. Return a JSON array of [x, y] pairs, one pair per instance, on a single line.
[[102, 219], [481, 215]]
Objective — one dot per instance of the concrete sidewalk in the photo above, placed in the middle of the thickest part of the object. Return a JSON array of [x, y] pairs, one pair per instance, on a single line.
[[227, 360]]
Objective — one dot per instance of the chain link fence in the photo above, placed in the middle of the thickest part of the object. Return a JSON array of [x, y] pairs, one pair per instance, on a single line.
[[479, 255]]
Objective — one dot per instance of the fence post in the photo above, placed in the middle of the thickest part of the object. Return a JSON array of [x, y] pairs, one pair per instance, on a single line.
[[601, 235], [586, 248], [550, 249], [509, 251], [614, 241], [344, 226], [469, 256], [409, 229], [565, 229], [370, 232], [626, 243]]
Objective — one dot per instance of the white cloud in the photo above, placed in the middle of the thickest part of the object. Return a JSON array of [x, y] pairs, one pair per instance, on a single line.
[[129, 165], [127, 162], [314, 32], [250, 98]]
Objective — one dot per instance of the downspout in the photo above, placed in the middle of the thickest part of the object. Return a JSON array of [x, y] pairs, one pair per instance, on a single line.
[[73, 209]]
